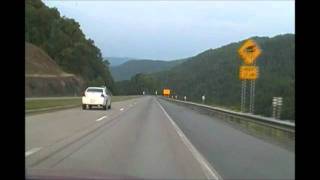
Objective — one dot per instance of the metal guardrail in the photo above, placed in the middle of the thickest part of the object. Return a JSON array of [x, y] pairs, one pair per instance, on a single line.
[[287, 127]]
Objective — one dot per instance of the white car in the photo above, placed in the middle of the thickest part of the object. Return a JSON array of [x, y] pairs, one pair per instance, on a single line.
[[96, 96]]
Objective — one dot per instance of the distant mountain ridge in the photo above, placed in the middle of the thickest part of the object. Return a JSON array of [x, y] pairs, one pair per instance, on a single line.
[[116, 61], [128, 69]]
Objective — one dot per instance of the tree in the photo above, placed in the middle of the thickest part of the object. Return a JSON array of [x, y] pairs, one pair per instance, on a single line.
[[63, 40]]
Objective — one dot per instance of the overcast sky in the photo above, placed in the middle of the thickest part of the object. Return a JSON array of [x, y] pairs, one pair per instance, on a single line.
[[167, 30]]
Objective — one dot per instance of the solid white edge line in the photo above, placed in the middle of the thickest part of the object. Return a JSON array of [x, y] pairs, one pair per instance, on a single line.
[[209, 171], [101, 118], [31, 151]]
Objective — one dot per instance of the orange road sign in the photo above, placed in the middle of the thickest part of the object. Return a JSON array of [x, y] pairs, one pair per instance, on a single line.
[[248, 73], [249, 51], [166, 92]]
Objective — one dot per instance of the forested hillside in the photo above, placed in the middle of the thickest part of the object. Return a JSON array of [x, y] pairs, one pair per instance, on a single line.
[[214, 73], [65, 43]]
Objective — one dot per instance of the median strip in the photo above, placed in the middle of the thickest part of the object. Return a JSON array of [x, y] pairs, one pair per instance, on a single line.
[[45, 104], [50, 109]]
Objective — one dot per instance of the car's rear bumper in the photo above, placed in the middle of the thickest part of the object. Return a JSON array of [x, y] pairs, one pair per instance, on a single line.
[[93, 101]]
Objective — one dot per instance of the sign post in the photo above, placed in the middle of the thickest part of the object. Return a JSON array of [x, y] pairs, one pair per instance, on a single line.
[[252, 93], [243, 95], [274, 106], [249, 52], [279, 107]]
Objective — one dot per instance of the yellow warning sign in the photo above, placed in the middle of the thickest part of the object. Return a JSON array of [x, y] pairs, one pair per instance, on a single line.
[[249, 51], [248, 72], [166, 92]]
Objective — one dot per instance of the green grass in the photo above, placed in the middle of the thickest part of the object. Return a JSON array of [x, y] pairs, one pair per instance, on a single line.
[[48, 103]]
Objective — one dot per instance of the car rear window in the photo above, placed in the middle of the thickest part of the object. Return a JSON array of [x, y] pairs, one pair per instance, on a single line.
[[94, 90]]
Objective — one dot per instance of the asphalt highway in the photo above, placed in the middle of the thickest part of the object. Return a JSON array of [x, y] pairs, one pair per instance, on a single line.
[[148, 138], [136, 138]]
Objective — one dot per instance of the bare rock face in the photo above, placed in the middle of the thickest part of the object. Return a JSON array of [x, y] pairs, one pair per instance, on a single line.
[[53, 86], [43, 77]]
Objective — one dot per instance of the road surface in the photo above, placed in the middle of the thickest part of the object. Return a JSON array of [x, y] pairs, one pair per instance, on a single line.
[[142, 138], [233, 153], [135, 138]]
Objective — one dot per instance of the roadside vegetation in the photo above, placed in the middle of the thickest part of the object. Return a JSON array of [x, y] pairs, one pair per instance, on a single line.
[[66, 44], [214, 73]]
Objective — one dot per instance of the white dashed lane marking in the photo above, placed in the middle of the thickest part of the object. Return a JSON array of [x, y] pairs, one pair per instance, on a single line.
[[101, 118], [31, 151]]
